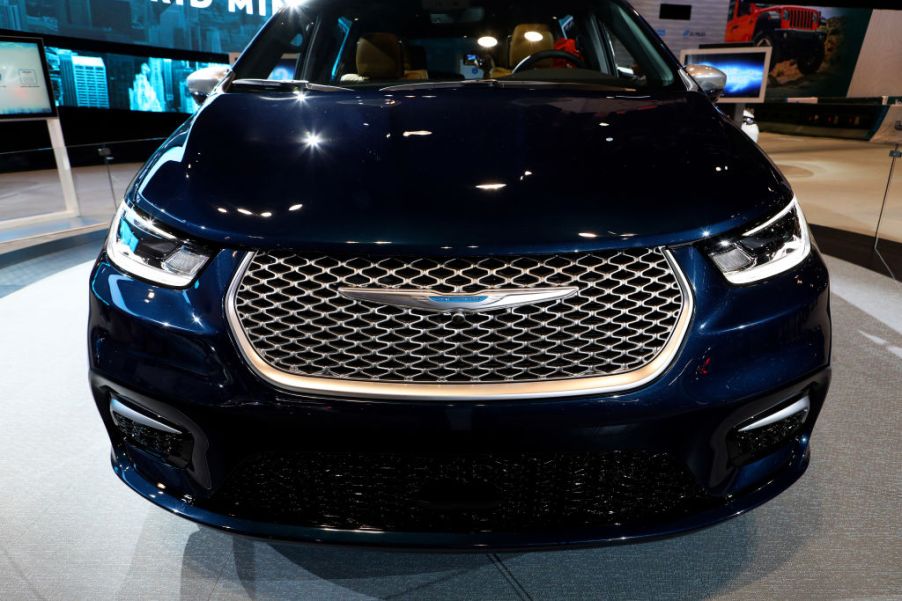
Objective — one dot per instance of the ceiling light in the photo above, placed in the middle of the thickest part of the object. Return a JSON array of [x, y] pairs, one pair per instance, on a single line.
[[487, 41], [533, 36]]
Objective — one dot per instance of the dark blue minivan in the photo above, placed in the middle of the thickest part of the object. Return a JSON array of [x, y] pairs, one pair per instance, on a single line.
[[460, 274]]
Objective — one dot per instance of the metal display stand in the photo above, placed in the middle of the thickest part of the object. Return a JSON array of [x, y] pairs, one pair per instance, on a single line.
[[50, 116], [889, 132], [895, 154], [67, 182], [58, 142]]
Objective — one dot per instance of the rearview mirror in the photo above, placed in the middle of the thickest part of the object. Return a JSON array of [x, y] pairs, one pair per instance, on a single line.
[[711, 81], [201, 83]]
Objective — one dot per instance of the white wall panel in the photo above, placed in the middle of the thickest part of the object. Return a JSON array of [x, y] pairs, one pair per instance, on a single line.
[[879, 68], [707, 26]]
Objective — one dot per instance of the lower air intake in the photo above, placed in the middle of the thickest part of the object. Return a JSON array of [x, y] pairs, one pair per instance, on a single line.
[[159, 443], [755, 444], [769, 432], [460, 493], [147, 433]]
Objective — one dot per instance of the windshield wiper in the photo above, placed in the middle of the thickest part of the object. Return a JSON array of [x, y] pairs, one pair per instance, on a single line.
[[467, 83], [439, 85], [499, 83], [291, 85]]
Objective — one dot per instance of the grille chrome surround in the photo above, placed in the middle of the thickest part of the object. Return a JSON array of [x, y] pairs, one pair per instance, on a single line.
[[637, 375]]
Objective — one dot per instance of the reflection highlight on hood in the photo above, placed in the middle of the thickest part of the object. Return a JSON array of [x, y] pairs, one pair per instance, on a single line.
[[313, 140], [491, 187]]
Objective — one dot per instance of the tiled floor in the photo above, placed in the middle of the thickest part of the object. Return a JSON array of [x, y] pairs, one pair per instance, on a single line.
[[70, 530], [22, 274]]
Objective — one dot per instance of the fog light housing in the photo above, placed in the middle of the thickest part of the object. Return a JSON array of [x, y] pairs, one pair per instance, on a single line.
[[766, 433], [151, 435]]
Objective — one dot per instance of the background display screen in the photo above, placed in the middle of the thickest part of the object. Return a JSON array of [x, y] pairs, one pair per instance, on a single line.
[[104, 80], [746, 71], [24, 88], [213, 26]]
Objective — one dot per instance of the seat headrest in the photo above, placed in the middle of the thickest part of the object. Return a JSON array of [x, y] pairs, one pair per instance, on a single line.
[[379, 56], [526, 41]]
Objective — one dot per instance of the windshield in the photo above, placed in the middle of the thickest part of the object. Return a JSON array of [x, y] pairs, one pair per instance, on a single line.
[[380, 43]]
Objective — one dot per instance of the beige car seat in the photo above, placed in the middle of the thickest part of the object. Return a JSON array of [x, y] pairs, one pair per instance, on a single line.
[[379, 57], [524, 43]]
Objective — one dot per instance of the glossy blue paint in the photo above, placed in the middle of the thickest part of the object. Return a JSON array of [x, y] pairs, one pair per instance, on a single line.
[[668, 169]]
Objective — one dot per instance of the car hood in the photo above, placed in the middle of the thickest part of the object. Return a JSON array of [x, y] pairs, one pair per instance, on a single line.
[[458, 170]]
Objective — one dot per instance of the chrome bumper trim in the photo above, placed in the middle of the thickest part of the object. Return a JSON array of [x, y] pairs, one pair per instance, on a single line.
[[118, 408], [803, 404]]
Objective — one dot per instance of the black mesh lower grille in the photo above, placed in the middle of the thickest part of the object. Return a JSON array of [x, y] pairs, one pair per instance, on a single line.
[[761, 441], [164, 444], [460, 493]]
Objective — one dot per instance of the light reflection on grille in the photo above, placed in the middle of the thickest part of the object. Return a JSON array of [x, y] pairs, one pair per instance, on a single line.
[[626, 310]]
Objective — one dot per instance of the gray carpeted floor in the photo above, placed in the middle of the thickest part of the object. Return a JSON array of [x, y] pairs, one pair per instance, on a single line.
[[70, 530]]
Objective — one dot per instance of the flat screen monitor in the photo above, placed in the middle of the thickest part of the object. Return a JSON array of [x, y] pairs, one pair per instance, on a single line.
[[746, 69], [25, 89]]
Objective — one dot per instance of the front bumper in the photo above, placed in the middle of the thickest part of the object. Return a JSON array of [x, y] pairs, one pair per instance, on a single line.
[[749, 350]]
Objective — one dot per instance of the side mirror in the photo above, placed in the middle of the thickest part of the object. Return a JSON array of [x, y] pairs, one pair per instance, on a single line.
[[711, 81], [202, 83]]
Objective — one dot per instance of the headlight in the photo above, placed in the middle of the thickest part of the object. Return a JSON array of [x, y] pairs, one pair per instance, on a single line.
[[140, 247], [771, 248]]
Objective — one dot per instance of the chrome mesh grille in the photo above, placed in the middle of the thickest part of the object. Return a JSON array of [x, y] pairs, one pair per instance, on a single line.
[[626, 309]]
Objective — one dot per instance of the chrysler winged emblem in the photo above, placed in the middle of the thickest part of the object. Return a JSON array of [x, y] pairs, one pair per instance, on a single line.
[[487, 300]]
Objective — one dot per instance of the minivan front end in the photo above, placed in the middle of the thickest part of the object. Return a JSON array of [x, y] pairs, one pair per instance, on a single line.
[[362, 314], [201, 429]]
